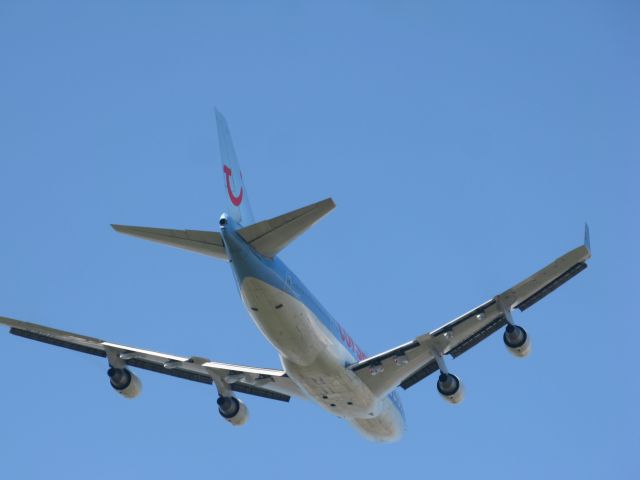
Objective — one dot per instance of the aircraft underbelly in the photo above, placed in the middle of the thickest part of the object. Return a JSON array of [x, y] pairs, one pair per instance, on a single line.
[[335, 390], [315, 361], [287, 323]]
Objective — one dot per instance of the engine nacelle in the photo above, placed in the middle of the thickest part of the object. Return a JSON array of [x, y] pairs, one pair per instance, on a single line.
[[124, 382], [233, 410], [450, 387], [517, 340]]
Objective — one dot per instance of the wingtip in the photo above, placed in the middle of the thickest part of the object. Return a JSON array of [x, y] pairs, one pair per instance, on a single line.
[[587, 236], [219, 116], [330, 202]]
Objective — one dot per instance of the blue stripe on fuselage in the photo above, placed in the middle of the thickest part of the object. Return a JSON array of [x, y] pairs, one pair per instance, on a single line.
[[246, 262]]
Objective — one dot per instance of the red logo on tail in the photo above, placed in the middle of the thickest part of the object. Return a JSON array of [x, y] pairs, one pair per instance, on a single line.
[[235, 200]]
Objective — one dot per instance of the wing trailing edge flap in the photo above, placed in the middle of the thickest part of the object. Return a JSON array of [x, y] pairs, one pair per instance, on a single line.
[[199, 241], [270, 236]]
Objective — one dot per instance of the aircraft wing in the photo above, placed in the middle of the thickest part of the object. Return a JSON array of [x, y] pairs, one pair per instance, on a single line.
[[407, 364], [263, 382]]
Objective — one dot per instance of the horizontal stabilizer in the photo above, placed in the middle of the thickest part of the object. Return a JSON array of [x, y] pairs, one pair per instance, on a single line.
[[271, 236], [207, 243]]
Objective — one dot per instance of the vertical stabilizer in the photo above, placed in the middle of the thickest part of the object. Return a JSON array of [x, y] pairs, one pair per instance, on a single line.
[[239, 208]]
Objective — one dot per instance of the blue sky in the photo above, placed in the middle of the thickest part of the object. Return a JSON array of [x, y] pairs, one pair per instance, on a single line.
[[465, 143]]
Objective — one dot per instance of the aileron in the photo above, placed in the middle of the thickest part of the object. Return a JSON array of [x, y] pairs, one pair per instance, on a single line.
[[550, 287], [58, 342]]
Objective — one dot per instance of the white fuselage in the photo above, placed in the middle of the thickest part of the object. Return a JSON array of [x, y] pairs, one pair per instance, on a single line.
[[316, 361]]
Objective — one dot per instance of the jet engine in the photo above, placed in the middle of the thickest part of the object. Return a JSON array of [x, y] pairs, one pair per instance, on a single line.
[[124, 382], [450, 387], [517, 341], [233, 410]]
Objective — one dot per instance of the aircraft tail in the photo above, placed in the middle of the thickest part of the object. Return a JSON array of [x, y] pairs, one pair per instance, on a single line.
[[270, 236], [267, 237], [239, 207]]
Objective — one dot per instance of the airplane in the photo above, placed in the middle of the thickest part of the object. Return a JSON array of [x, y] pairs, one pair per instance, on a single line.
[[320, 360]]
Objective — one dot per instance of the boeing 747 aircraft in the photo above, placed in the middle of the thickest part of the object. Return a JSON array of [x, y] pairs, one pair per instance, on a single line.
[[320, 360]]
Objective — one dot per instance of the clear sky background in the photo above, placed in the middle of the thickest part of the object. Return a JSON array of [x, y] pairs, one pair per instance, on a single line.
[[465, 143]]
